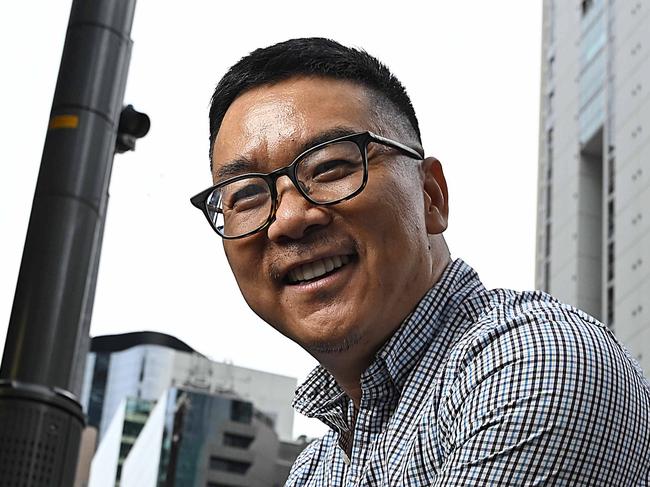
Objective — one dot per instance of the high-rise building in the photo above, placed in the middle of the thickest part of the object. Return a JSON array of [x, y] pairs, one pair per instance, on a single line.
[[593, 221], [143, 365]]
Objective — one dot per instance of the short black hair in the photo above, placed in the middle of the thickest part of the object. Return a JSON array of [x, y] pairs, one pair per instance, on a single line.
[[304, 57]]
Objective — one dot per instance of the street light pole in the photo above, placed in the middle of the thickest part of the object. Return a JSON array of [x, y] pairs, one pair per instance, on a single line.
[[41, 418]]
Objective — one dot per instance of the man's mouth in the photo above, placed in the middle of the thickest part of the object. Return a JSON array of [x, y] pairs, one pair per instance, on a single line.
[[317, 269]]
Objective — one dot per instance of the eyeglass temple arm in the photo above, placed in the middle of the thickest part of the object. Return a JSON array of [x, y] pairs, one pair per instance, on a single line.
[[416, 154]]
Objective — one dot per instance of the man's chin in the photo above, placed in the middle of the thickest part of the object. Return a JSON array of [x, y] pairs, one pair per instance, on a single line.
[[333, 346]]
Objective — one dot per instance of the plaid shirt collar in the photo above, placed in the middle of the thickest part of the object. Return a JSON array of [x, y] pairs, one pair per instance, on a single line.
[[322, 398]]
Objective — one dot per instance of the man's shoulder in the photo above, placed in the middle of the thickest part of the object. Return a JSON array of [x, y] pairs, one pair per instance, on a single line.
[[524, 337], [534, 374], [502, 329], [498, 307], [519, 320]]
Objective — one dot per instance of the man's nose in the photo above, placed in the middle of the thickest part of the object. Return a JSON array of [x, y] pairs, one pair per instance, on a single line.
[[294, 215]]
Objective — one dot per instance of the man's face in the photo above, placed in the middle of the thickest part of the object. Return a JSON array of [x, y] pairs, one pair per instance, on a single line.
[[377, 242]]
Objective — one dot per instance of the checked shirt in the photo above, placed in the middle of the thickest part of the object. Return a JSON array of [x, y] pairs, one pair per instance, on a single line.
[[489, 388]]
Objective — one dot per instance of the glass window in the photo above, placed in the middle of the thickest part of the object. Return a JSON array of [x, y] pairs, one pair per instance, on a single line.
[[98, 388], [241, 411], [228, 465], [592, 117], [594, 36], [592, 79], [237, 441]]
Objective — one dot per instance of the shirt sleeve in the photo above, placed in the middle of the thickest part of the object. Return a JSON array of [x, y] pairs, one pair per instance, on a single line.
[[544, 399]]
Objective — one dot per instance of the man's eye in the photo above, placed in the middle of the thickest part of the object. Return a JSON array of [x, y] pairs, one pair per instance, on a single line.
[[333, 170], [246, 197]]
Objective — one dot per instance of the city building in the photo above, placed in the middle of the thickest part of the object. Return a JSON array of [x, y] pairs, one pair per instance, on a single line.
[[190, 438], [593, 220], [143, 365], [221, 441], [167, 415]]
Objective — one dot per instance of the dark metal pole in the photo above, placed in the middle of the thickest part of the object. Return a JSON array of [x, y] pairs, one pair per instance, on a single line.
[[40, 377]]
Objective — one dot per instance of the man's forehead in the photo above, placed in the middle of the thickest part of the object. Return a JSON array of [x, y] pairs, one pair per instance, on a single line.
[[282, 116], [243, 164]]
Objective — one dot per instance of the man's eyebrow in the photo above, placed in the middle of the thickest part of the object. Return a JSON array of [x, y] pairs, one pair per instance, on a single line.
[[237, 166], [326, 136]]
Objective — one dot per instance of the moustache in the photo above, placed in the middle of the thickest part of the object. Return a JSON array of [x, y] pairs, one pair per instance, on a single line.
[[310, 244]]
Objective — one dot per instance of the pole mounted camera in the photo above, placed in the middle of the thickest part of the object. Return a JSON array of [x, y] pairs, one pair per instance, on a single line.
[[133, 126]]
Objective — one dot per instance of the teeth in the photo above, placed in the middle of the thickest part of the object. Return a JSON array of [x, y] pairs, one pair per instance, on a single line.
[[318, 268], [309, 271], [296, 275]]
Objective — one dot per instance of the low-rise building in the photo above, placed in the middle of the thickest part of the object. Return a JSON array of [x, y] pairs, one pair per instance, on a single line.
[[144, 364]]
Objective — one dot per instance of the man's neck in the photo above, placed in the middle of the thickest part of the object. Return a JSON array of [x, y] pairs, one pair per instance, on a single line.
[[347, 366]]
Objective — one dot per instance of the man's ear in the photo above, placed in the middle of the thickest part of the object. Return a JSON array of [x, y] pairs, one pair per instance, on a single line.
[[436, 205]]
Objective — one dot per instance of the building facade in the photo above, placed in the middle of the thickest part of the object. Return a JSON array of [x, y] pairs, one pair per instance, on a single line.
[[593, 221], [194, 439], [221, 441], [143, 365], [166, 415]]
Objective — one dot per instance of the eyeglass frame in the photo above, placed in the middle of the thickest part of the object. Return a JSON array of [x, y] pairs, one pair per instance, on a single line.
[[361, 139]]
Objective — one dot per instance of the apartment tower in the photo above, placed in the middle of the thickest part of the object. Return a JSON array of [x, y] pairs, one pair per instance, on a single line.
[[593, 212]]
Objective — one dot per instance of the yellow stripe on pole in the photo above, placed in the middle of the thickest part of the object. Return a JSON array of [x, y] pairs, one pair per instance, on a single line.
[[64, 122]]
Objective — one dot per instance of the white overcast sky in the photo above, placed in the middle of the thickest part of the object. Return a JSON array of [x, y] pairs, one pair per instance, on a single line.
[[472, 69]]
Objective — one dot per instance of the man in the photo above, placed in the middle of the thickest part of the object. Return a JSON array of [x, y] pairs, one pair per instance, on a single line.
[[332, 219]]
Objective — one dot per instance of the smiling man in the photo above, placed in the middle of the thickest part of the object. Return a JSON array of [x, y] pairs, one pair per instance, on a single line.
[[332, 219]]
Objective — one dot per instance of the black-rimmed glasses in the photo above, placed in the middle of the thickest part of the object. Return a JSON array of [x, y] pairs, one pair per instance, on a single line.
[[325, 174]]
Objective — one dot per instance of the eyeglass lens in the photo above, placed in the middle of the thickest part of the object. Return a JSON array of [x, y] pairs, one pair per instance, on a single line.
[[325, 175]]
